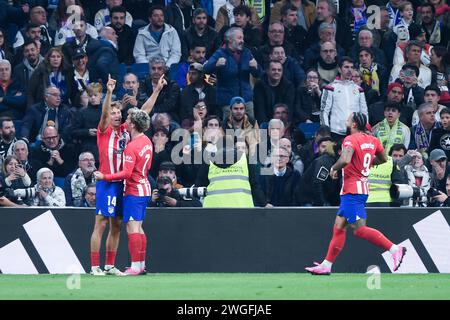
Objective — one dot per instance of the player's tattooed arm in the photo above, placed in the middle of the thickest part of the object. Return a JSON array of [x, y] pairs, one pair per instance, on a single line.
[[150, 103], [344, 159], [379, 158], [110, 86]]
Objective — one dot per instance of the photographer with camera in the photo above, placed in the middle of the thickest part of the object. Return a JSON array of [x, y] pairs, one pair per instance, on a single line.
[[442, 199], [167, 196], [14, 177], [440, 169]]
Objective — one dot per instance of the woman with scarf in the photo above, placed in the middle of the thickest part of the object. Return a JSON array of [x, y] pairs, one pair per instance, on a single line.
[[356, 16], [53, 71], [375, 75]]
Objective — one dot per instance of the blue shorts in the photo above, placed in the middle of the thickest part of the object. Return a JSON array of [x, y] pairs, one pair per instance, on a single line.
[[134, 208], [353, 207], [109, 198]]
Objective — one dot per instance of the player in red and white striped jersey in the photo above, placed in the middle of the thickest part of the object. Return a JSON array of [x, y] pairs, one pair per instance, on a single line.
[[137, 161], [359, 151]]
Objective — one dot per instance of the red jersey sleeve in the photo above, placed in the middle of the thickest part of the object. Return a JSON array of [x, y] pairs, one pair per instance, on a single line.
[[378, 146], [348, 143], [128, 165]]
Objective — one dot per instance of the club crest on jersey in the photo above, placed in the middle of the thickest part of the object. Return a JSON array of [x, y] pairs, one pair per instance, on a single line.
[[110, 209], [128, 159]]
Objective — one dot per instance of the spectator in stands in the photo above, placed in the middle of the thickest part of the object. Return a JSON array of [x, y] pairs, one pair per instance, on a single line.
[[305, 10], [31, 60], [14, 15], [439, 66], [275, 38], [295, 33], [417, 33], [440, 169], [413, 52], [12, 93], [443, 199], [272, 88], [62, 13], [179, 14], [7, 137], [242, 19], [102, 53], [54, 153], [307, 99], [168, 98], [327, 33], [198, 90], [238, 117], [440, 137], [53, 71], [89, 196], [279, 187], [157, 39], [355, 16], [161, 147], [75, 183], [233, 65], [316, 188], [85, 122], [327, 12], [196, 55], [413, 93], [421, 132], [327, 65], [225, 15], [33, 33], [436, 33], [370, 94], [168, 169], [340, 98], [311, 149], [5, 51], [294, 161], [48, 112], [68, 32], [167, 196], [374, 74], [31, 166], [418, 177], [14, 177], [275, 132], [391, 130], [282, 112], [104, 16], [291, 68], [47, 193], [133, 97], [432, 95], [199, 33], [81, 73], [126, 36], [365, 40]]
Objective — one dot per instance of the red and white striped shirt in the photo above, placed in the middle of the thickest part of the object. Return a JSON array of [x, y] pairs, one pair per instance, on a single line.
[[111, 145], [355, 175], [137, 161]]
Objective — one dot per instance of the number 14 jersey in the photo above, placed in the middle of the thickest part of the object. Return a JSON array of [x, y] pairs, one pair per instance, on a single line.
[[137, 161], [355, 175]]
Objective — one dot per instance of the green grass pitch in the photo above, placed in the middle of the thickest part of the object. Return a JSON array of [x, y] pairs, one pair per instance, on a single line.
[[229, 286]]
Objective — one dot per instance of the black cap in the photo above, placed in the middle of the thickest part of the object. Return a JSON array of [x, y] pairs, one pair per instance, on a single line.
[[415, 30], [79, 53]]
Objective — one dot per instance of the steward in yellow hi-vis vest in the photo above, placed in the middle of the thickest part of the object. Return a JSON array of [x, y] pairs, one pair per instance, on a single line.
[[230, 186], [380, 182]]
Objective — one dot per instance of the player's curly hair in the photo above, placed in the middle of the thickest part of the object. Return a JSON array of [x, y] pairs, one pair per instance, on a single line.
[[140, 119]]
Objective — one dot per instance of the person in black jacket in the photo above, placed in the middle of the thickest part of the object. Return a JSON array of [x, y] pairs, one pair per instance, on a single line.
[[31, 59], [168, 99], [307, 99], [272, 89], [167, 196], [440, 137], [179, 14], [279, 187], [199, 32], [85, 122], [310, 150], [294, 33], [126, 35], [76, 182], [316, 188]]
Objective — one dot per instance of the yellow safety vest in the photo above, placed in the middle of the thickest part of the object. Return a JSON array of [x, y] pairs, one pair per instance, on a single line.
[[260, 6], [229, 187], [380, 182]]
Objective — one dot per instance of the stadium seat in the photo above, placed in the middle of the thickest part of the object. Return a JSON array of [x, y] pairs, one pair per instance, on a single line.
[[18, 125], [123, 70], [309, 129], [173, 71], [141, 70], [59, 181]]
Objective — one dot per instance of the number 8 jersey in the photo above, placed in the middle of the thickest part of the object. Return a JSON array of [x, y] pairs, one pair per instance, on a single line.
[[136, 162], [355, 174]]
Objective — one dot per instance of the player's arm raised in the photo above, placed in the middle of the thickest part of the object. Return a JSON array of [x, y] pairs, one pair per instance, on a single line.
[[150, 103], [344, 159], [110, 86]]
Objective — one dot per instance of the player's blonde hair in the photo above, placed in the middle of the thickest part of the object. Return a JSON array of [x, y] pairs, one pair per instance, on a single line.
[[140, 119]]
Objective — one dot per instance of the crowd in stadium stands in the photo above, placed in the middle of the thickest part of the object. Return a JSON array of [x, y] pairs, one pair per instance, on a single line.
[[279, 77]]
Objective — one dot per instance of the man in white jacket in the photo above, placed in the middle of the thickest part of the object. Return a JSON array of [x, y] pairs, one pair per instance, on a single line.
[[340, 98], [157, 39]]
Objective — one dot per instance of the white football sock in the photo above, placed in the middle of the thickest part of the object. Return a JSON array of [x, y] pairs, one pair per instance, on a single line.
[[327, 263], [393, 249]]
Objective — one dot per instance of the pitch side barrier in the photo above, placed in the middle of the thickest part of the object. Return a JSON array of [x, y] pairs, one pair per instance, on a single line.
[[52, 240]]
